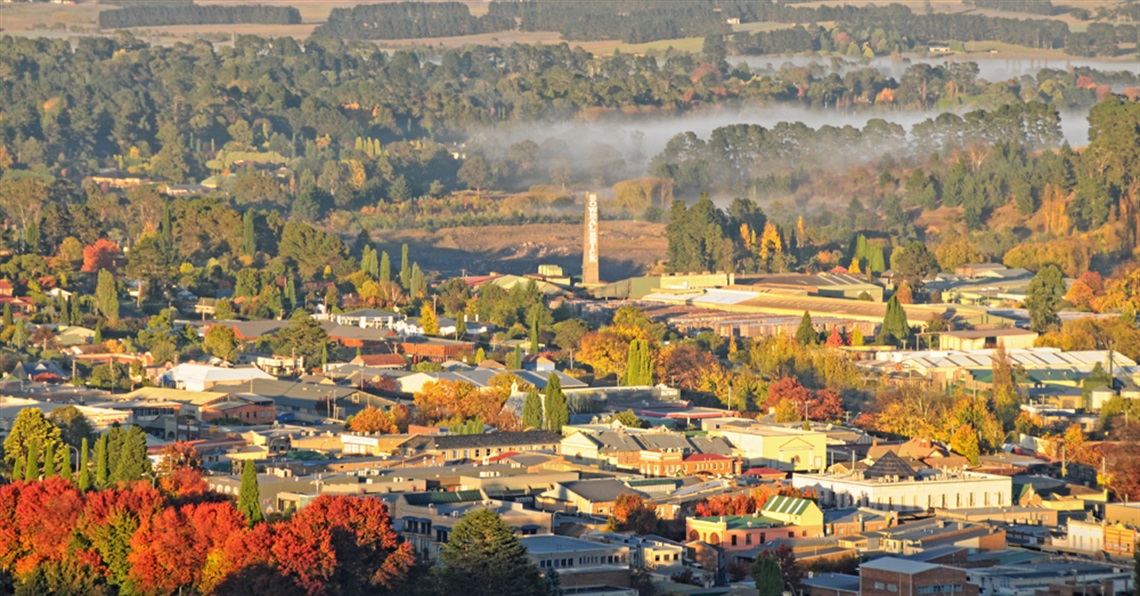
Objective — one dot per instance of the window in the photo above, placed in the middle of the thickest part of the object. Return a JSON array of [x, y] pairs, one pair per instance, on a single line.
[[892, 587], [748, 538], [879, 585], [734, 539]]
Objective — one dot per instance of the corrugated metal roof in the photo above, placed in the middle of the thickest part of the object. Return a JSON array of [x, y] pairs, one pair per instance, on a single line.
[[787, 505]]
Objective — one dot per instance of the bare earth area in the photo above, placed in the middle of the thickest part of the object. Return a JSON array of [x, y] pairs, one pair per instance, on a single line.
[[627, 248]]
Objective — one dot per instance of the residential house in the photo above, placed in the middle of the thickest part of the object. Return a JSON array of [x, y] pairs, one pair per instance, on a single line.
[[391, 361], [308, 400], [795, 511]]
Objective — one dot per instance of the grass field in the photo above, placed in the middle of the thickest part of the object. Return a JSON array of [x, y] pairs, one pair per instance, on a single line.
[[627, 247]]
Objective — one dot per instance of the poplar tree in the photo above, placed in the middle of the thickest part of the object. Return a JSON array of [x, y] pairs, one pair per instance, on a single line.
[[428, 320], [460, 326], [405, 269], [385, 267], [49, 460], [534, 336], [515, 362], [32, 468], [249, 496], [107, 297], [532, 410], [639, 364], [84, 473], [557, 410], [248, 234], [101, 473]]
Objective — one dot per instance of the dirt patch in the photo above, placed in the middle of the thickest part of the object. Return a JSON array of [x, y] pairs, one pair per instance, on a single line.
[[627, 248]]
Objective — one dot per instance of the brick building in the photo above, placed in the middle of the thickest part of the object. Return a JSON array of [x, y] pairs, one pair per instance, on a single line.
[[891, 576]]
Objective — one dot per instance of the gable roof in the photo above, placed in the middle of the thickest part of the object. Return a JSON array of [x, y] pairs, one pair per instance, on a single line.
[[498, 439], [601, 490], [786, 505]]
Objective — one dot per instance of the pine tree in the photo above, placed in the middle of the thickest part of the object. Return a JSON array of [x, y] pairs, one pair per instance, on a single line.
[[1044, 297], [32, 467], [249, 496], [385, 267], [405, 269], [532, 410], [769, 579], [102, 476], [556, 408], [895, 329], [483, 557], [49, 460], [806, 334], [132, 462], [84, 473]]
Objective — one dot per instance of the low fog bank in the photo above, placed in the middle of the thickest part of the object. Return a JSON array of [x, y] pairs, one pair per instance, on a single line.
[[618, 147], [989, 68]]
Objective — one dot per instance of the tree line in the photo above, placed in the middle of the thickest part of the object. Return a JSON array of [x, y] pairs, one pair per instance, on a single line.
[[408, 20], [157, 15], [738, 157]]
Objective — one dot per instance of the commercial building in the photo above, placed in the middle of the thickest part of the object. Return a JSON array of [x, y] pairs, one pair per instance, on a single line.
[[891, 576], [580, 562], [426, 519], [892, 485], [776, 447]]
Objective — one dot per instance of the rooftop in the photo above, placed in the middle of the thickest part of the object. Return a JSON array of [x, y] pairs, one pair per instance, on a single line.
[[550, 543], [742, 522], [897, 565]]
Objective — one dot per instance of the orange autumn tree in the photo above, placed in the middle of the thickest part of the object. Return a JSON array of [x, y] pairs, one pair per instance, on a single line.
[[59, 539], [633, 514], [100, 255]]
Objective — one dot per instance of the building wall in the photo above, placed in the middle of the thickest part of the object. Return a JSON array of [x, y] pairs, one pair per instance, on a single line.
[[968, 491], [250, 414], [878, 582]]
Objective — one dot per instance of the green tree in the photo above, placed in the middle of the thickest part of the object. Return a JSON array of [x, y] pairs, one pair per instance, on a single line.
[[895, 328], [84, 471], [249, 495], [248, 234], [304, 336], [221, 341], [556, 407], [532, 410], [639, 364], [460, 326], [32, 463], [107, 297], [74, 427], [49, 461], [131, 462], [483, 557], [806, 334], [1043, 298], [405, 269], [30, 427], [629, 419], [769, 579], [102, 467], [514, 362], [385, 267], [533, 337]]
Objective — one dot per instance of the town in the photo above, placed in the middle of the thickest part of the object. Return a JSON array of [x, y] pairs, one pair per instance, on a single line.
[[570, 298], [981, 459]]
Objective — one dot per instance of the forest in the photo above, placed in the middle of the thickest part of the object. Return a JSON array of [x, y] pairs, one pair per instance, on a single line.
[[152, 15], [407, 20]]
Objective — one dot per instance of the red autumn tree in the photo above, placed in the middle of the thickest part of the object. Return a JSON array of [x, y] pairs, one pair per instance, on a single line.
[[100, 255], [681, 365], [835, 340], [789, 389], [633, 514], [825, 406], [46, 512]]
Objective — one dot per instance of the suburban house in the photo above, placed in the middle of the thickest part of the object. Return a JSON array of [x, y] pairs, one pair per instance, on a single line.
[[209, 406], [593, 497]]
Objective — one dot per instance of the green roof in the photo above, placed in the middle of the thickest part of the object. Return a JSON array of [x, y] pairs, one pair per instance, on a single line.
[[1039, 375], [744, 522], [442, 497], [786, 505]]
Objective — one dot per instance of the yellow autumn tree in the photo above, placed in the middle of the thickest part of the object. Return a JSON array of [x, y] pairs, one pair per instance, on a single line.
[[770, 242]]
